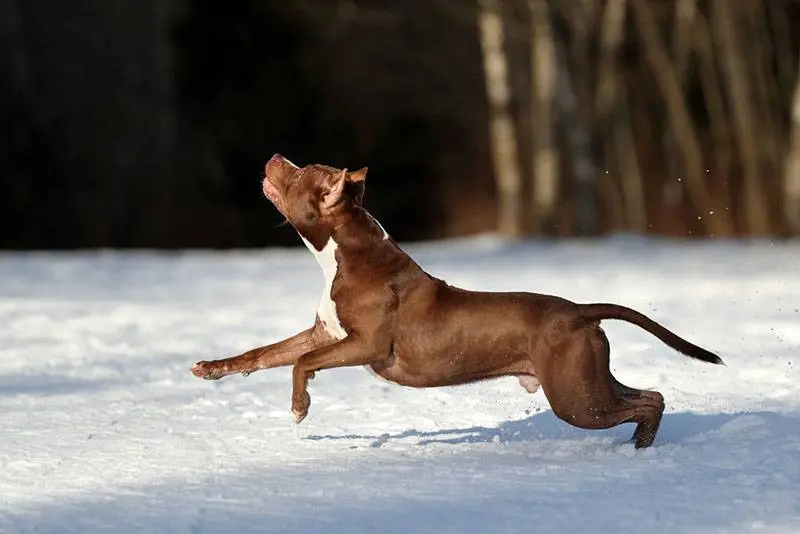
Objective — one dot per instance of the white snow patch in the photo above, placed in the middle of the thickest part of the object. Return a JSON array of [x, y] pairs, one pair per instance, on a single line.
[[103, 428]]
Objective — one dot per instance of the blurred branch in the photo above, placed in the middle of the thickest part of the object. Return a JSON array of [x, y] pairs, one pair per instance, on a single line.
[[337, 17]]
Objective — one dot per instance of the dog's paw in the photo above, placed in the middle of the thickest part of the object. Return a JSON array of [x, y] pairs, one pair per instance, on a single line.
[[300, 407], [206, 371]]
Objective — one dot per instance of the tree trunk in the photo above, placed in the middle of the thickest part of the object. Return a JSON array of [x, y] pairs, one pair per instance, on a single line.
[[502, 132], [719, 123], [545, 154], [631, 175], [744, 117], [685, 15], [717, 221], [791, 175], [611, 102], [610, 39], [578, 135]]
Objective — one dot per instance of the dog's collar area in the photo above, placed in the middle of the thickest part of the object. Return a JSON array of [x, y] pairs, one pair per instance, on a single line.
[[352, 220]]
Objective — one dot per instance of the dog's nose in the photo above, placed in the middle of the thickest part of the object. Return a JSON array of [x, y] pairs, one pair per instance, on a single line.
[[275, 159]]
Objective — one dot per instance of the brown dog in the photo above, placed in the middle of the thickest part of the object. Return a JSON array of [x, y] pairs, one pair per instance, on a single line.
[[379, 309]]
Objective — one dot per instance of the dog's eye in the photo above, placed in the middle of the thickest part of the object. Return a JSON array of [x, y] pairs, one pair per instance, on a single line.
[[311, 216]]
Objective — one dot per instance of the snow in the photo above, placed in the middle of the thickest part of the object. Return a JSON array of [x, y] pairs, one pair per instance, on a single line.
[[104, 429]]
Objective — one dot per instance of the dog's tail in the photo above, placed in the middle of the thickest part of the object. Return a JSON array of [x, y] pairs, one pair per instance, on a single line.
[[598, 312]]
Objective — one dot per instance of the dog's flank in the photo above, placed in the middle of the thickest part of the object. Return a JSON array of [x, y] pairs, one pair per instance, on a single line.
[[379, 309]]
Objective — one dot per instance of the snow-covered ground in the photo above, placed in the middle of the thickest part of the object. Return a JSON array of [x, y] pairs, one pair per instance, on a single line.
[[103, 428]]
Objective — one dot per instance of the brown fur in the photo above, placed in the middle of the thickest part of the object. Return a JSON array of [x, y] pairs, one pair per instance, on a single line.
[[415, 330]]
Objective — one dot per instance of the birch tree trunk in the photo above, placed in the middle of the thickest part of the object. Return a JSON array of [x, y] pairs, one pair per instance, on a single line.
[[610, 39], [545, 155], [502, 132], [791, 175]]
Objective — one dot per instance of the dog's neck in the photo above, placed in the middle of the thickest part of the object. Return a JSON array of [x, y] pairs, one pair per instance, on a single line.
[[359, 228], [353, 229]]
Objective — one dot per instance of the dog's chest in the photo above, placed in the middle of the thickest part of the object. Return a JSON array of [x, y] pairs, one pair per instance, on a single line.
[[326, 310]]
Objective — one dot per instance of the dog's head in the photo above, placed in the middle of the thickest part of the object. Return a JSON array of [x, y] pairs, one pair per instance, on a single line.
[[313, 198]]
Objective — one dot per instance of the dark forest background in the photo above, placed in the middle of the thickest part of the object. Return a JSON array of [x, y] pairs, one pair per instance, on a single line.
[[146, 123]]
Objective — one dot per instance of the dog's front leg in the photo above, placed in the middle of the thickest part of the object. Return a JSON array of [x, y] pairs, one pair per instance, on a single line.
[[348, 352], [278, 354]]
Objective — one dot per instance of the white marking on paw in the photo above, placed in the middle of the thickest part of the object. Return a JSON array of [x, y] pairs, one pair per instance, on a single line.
[[327, 307]]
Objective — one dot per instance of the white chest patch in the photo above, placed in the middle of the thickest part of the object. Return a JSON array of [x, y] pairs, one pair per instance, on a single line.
[[327, 308]]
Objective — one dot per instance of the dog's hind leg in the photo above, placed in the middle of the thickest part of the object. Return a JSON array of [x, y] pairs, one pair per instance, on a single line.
[[582, 391], [627, 391]]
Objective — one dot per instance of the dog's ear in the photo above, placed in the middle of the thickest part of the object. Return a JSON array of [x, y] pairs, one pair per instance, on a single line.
[[355, 185], [333, 188], [358, 176]]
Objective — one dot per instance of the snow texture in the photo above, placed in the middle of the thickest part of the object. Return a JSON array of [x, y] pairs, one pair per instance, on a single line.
[[104, 429]]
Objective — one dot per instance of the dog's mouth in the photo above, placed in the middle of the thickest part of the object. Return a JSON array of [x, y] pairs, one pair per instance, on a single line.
[[272, 193]]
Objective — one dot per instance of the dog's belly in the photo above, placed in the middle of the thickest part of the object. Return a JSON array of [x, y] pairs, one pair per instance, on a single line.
[[389, 371], [429, 370]]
